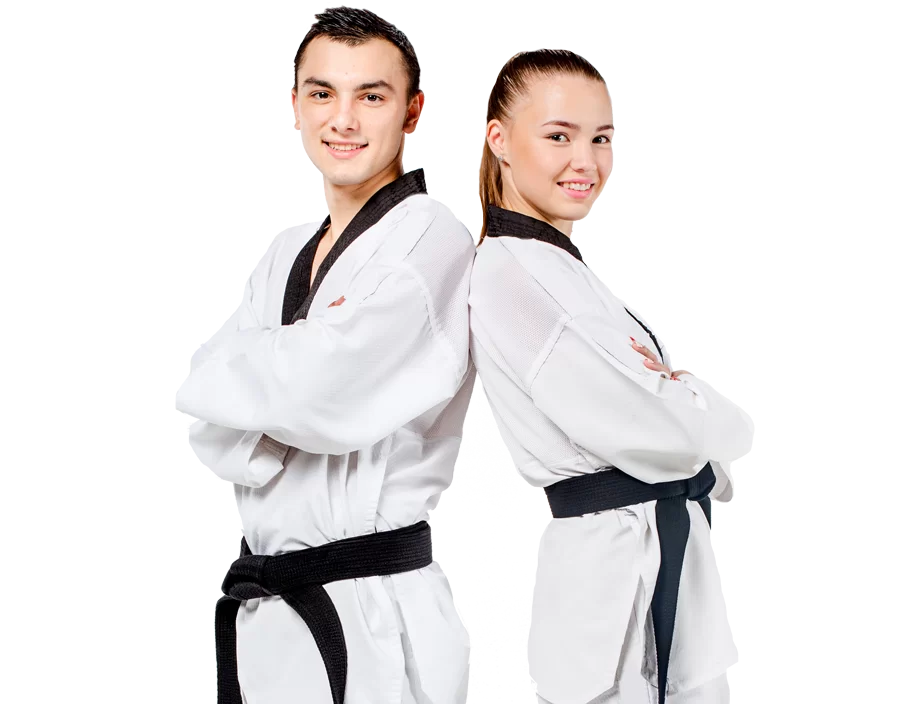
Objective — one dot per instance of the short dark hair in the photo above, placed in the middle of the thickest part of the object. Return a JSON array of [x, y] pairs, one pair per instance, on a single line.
[[354, 27]]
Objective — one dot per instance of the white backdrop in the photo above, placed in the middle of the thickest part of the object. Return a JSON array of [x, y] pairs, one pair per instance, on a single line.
[[191, 219]]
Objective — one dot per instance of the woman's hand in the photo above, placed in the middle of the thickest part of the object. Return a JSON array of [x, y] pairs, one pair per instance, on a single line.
[[651, 363]]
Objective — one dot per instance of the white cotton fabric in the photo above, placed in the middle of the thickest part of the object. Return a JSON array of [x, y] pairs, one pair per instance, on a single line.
[[570, 395], [342, 424]]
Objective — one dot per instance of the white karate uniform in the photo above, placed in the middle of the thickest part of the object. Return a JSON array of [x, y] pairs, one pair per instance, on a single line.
[[370, 396], [570, 396]]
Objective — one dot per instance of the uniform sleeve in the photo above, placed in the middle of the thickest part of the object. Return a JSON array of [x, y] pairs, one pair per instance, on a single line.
[[723, 489], [334, 383], [243, 457], [594, 386]]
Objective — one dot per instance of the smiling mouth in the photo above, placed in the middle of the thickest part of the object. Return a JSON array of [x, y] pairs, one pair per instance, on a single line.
[[345, 147], [578, 187], [575, 190]]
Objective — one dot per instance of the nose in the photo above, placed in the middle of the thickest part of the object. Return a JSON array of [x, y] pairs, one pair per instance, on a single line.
[[344, 120], [582, 158]]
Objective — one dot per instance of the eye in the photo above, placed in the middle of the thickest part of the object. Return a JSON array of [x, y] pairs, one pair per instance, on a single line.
[[374, 98], [606, 140], [320, 95], [563, 138]]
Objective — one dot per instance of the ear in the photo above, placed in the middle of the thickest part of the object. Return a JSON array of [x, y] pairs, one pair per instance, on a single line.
[[496, 137], [294, 106], [414, 110]]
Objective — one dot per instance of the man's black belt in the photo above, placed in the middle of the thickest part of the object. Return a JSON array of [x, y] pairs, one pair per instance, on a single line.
[[298, 577], [612, 488]]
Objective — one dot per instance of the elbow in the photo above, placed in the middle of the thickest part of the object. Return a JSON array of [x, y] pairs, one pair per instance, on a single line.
[[730, 439]]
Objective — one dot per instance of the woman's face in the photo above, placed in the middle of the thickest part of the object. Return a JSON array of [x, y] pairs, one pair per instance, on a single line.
[[556, 149]]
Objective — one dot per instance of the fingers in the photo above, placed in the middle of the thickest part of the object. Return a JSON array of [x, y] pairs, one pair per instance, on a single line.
[[338, 302], [643, 350], [651, 362]]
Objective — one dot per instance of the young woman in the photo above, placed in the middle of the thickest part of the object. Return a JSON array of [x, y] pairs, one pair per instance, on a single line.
[[628, 450]]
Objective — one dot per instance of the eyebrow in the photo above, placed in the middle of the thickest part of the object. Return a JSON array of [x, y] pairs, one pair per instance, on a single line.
[[572, 126], [371, 85], [368, 85], [311, 80]]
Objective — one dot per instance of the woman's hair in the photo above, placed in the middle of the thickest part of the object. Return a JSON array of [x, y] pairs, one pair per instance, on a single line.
[[513, 83]]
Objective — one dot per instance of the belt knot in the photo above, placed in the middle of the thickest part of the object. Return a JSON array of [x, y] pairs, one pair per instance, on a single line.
[[246, 579], [700, 485]]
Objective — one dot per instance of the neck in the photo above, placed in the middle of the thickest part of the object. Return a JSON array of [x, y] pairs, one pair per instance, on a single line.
[[514, 201], [344, 202]]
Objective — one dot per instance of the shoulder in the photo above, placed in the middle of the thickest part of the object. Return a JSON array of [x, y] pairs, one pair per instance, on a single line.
[[505, 263], [507, 292], [439, 235], [442, 223]]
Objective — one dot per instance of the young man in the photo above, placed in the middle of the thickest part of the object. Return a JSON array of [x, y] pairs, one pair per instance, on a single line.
[[334, 399]]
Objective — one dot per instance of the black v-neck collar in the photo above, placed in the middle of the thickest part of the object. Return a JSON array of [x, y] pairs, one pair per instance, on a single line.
[[508, 223], [299, 292]]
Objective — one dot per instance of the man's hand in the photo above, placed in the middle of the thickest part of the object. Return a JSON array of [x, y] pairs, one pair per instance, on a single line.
[[651, 363]]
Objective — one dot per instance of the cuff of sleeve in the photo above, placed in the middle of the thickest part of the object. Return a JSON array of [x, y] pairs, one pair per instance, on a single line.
[[723, 489], [694, 384], [266, 458]]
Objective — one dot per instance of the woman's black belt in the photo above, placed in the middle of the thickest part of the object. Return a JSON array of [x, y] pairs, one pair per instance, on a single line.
[[612, 488]]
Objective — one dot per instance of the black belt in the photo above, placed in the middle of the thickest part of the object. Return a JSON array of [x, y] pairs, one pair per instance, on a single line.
[[298, 577], [613, 488]]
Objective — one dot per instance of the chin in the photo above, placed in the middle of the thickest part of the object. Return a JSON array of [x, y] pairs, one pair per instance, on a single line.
[[572, 211], [339, 178], [345, 174]]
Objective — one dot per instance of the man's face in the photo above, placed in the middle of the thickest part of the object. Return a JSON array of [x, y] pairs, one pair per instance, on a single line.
[[350, 105]]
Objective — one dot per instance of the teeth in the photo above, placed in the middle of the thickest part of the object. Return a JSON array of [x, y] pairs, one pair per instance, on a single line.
[[345, 147], [577, 186]]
